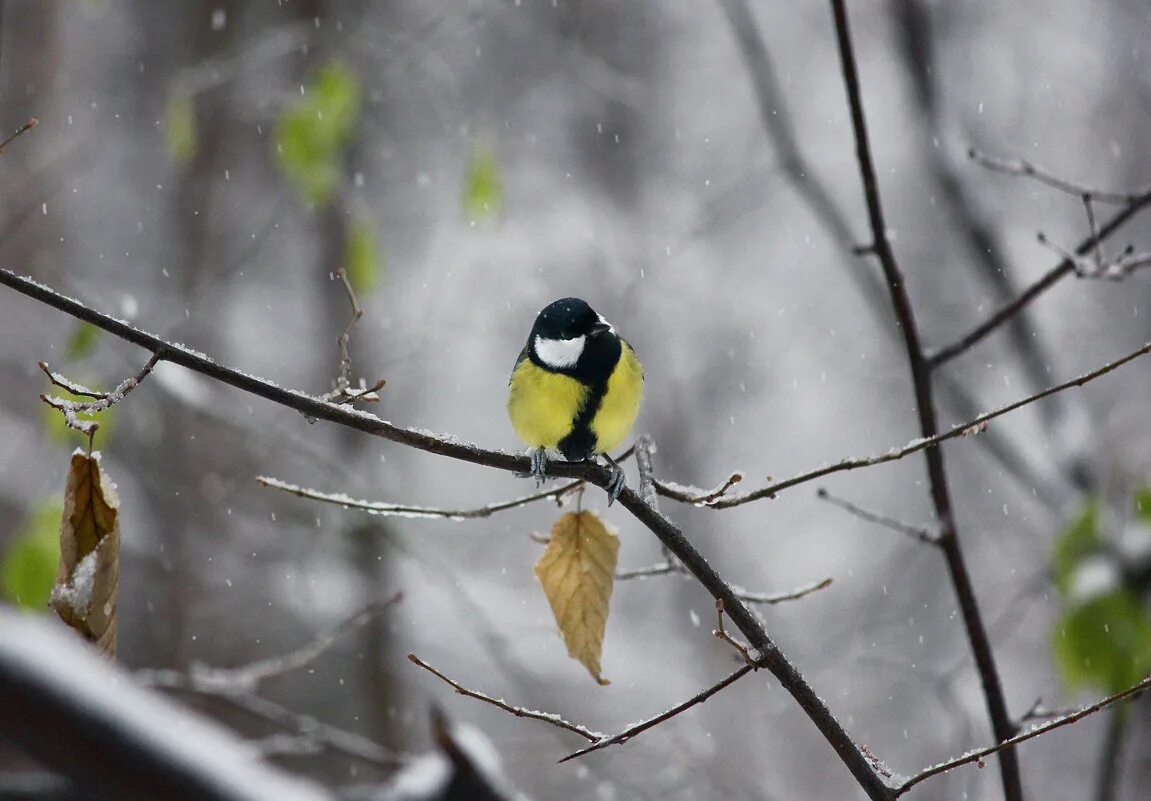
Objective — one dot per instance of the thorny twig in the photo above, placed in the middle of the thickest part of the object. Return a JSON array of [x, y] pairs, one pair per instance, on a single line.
[[101, 401], [519, 712], [915, 532], [344, 392], [979, 754]]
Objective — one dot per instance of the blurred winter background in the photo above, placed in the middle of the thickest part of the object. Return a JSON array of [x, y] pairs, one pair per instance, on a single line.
[[201, 169]]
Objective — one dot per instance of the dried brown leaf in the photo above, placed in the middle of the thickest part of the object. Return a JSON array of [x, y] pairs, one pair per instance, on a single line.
[[85, 593], [577, 571]]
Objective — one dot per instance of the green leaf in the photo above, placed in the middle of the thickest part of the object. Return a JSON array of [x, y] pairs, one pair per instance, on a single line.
[[362, 257], [1105, 642], [180, 126], [312, 133], [483, 190], [1077, 542], [28, 569], [58, 430], [84, 338]]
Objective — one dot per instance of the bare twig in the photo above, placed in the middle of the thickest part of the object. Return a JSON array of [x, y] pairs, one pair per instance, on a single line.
[[660, 569], [973, 426], [644, 449], [101, 401], [304, 727], [721, 633], [32, 123], [1048, 280], [781, 597], [237, 687], [519, 712], [639, 728], [978, 755], [249, 677], [1037, 711], [1098, 267], [915, 532], [403, 510], [1028, 169], [344, 392], [925, 407]]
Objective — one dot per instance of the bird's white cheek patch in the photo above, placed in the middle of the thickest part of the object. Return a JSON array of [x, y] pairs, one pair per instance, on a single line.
[[559, 353]]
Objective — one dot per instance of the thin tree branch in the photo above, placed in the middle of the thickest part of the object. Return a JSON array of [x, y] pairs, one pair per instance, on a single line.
[[669, 534], [915, 532], [978, 755], [32, 123], [640, 728], [519, 712], [403, 510], [970, 428], [304, 727], [925, 406], [720, 632], [660, 569], [344, 392], [1027, 169], [780, 597], [248, 678], [1060, 271], [644, 449], [237, 686], [101, 401]]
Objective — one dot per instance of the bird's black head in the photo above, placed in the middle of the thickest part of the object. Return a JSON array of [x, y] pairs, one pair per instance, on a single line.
[[568, 318]]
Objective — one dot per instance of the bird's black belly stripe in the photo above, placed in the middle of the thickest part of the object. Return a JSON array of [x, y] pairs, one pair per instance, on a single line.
[[580, 443]]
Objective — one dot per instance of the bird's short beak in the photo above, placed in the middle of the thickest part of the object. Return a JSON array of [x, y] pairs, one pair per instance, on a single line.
[[601, 327]]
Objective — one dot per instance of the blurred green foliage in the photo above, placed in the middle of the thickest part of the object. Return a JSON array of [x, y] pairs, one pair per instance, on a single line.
[[1103, 638], [28, 568], [312, 133], [483, 189], [180, 126], [83, 340], [362, 259]]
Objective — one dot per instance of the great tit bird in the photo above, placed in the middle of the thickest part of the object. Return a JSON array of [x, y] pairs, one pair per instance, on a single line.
[[576, 388]]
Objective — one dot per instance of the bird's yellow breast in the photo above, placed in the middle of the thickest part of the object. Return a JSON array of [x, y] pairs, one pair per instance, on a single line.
[[620, 404], [543, 405]]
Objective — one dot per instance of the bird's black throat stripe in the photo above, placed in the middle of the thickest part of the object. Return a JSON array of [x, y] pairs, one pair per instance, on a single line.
[[593, 370]]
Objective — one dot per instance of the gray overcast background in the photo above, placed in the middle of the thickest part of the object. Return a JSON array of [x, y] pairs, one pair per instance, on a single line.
[[637, 173]]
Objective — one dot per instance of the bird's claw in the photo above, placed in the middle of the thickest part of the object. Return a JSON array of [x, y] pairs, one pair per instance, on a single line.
[[539, 465], [615, 483]]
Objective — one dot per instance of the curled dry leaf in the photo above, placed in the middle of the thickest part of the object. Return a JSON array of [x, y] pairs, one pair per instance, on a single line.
[[577, 571], [85, 593]]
